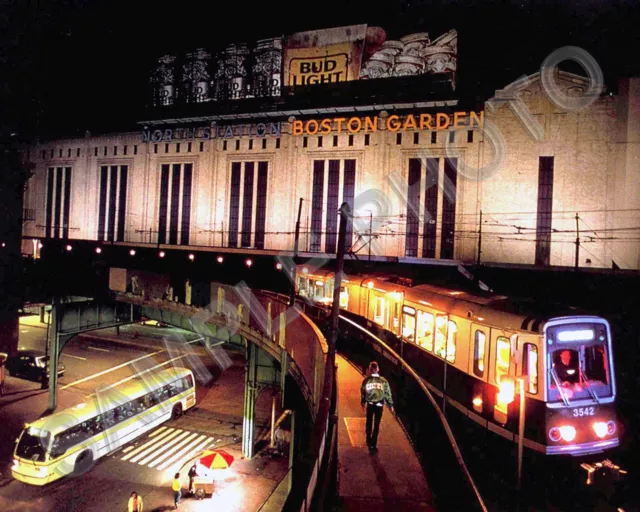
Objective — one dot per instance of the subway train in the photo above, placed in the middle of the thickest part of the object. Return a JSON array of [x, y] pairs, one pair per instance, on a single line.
[[475, 351]]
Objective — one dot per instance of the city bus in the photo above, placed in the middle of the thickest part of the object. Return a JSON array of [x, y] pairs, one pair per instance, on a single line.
[[69, 441]]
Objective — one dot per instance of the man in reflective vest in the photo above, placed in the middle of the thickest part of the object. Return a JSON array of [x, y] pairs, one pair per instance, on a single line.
[[374, 393]]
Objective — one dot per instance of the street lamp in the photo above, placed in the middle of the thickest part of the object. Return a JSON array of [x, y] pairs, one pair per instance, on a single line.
[[220, 259], [279, 266], [98, 250], [249, 262], [68, 247], [161, 254], [132, 252], [192, 257]]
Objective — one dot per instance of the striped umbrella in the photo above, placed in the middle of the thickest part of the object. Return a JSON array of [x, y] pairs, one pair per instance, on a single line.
[[216, 459]]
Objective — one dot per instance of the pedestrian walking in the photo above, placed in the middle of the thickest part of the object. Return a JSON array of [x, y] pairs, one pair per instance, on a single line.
[[193, 472], [177, 490], [374, 393], [135, 503]]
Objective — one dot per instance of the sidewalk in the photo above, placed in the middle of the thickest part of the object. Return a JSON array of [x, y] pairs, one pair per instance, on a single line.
[[390, 479]]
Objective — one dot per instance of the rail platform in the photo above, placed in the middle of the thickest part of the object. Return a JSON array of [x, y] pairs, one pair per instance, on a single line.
[[390, 479]]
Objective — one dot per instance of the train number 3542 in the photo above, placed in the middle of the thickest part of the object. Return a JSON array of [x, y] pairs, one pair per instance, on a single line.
[[584, 411]]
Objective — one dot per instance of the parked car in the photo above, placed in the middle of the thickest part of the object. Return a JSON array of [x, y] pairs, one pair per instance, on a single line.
[[30, 364]]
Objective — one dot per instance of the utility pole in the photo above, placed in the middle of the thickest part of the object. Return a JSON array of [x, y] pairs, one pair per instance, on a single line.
[[577, 242], [292, 294], [370, 233], [479, 240], [345, 212]]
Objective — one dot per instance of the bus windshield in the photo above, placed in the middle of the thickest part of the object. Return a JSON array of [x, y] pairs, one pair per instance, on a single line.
[[33, 444]]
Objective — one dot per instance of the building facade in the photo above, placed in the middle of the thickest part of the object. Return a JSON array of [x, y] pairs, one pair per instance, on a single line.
[[541, 175]]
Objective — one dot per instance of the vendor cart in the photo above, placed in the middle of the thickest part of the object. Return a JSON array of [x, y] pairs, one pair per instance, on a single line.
[[202, 487]]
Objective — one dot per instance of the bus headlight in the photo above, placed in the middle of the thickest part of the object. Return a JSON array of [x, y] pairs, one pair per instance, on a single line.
[[600, 428], [568, 433]]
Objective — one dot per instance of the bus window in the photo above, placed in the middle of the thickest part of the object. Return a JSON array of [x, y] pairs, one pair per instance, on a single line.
[[424, 329], [441, 335], [503, 357], [480, 339], [530, 366], [451, 341], [379, 311], [32, 444], [409, 323]]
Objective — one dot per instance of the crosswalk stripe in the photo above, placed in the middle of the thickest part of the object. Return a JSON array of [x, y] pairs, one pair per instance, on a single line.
[[153, 450], [148, 444], [168, 454], [128, 449], [175, 457], [208, 441], [156, 432]]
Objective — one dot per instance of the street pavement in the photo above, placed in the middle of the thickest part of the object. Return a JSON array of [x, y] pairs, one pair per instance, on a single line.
[[147, 464]]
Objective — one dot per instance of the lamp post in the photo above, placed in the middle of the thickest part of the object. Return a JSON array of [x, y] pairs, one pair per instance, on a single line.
[[521, 429]]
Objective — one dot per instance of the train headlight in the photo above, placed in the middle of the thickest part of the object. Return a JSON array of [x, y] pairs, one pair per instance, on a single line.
[[611, 427], [554, 434], [600, 428], [568, 433]]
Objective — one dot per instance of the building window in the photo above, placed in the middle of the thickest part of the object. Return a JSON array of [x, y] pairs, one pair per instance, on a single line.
[[333, 192], [95, 151], [449, 208], [350, 140], [69, 153], [201, 147], [413, 208], [105, 151], [398, 138], [166, 148], [78, 152], [58, 202], [545, 210], [264, 143], [52, 153], [434, 137], [503, 358], [177, 147], [530, 366], [234, 204], [112, 205], [124, 150], [250, 144], [430, 209], [452, 137], [470, 136], [175, 203], [278, 143], [480, 339], [244, 186], [238, 145], [305, 142], [320, 141], [190, 147], [224, 145], [60, 152], [335, 141], [416, 137], [115, 150], [135, 149], [247, 207], [44, 154], [261, 204], [316, 205], [367, 139], [155, 148]]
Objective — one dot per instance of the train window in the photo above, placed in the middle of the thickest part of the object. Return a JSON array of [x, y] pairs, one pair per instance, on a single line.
[[424, 330], [344, 297], [451, 342], [478, 353], [379, 311], [409, 323], [530, 366], [441, 336], [503, 357]]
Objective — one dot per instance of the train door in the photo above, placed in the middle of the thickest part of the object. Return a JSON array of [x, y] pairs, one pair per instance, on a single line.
[[528, 361], [479, 349], [395, 312], [502, 371]]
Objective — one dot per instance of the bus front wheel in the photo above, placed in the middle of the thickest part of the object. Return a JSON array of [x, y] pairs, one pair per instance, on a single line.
[[83, 462], [176, 412]]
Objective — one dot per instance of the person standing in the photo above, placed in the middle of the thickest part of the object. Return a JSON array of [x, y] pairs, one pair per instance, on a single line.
[[177, 490], [193, 472], [374, 393], [135, 503]]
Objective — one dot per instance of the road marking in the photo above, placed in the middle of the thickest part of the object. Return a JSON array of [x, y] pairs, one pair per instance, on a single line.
[[149, 444], [181, 453], [197, 450], [75, 357], [156, 432], [25, 330], [136, 375], [100, 349], [173, 451], [150, 453], [128, 449], [104, 372], [166, 450]]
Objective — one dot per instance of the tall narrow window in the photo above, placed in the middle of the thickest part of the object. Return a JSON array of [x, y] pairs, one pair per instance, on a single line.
[[413, 208], [122, 203], [186, 204], [50, 210], [261, 203], [348, 194], [503, 358], [480, 339], [333, 191], [112, 202], [175, 203], [545, 210], [530, 366], [430, 209], [449, 208], [58, 201], [164, 203], [234, 204], [316, 205], [67, 202], [247, 206], [102, 204]]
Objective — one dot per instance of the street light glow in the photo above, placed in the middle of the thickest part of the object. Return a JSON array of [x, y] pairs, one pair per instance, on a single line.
[[279, 266], [68, 247], [132, 252], [192, 257], [249, 263], [161, 254], [220, 259], [98, 250]]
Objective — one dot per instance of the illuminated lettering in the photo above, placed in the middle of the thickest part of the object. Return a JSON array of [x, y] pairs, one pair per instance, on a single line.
[[393, 127], [370, 124], [261, 129], [458, 119], [339, 121], [311, 123], [326, 126], [425, 122], [442, 117], [206, 133], [297, 128], [410, 123], [479, 121], [358, 124], [275, 129]]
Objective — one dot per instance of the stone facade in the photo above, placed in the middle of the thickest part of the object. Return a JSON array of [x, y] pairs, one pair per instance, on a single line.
[[596, 158]]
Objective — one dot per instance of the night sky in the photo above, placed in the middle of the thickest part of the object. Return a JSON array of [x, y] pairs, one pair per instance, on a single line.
[[83, 64]]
